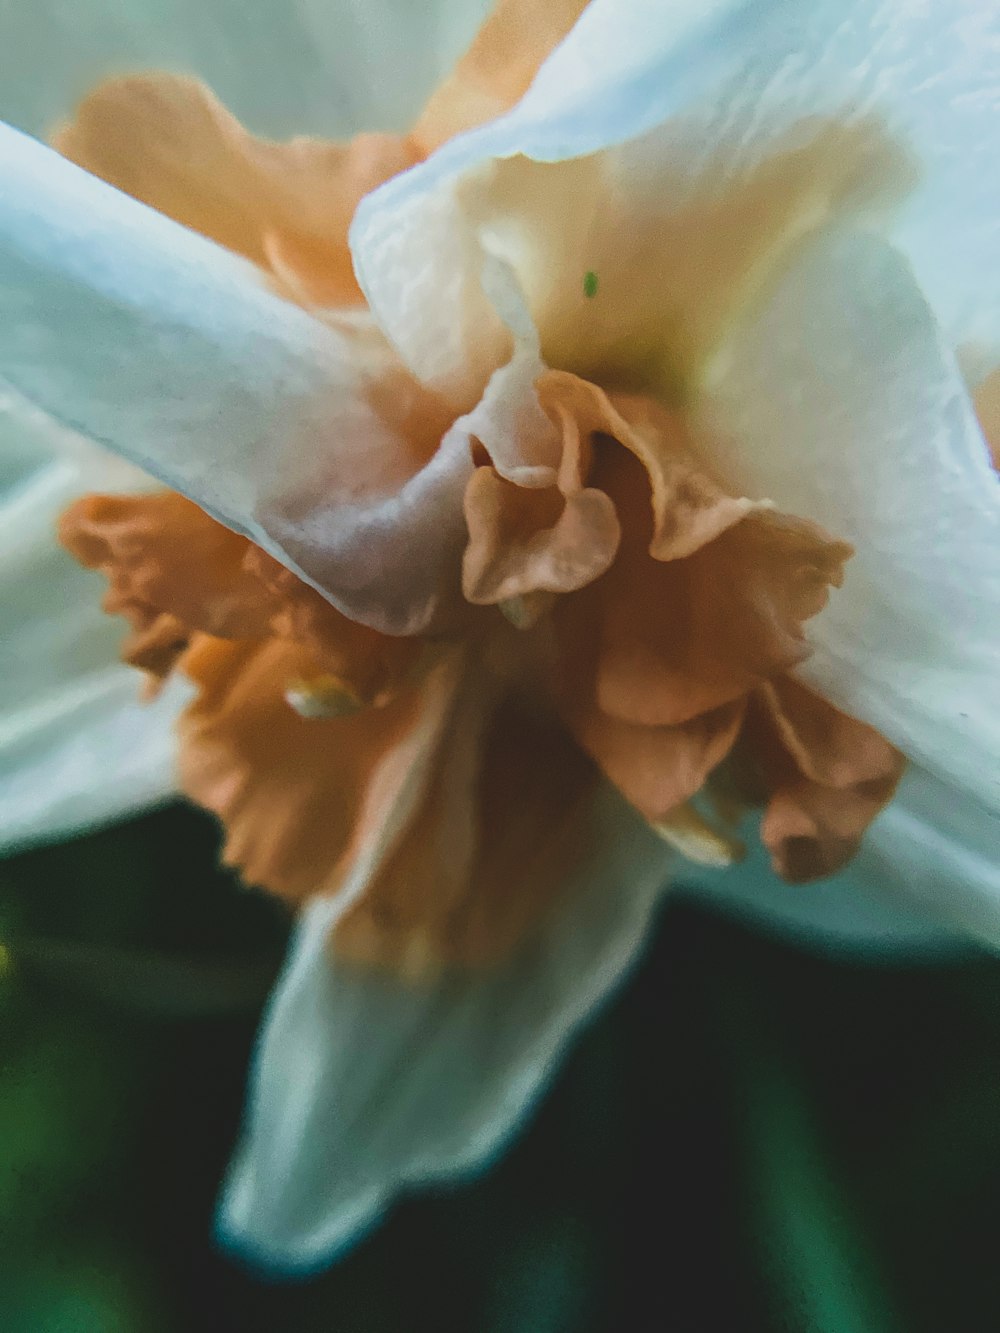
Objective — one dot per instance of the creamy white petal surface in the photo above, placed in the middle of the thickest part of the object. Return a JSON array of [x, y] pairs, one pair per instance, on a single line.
[[840, 402], [926, 878], [938, 852], [737, 77], [148, 339], [144, 337], [363, 1085], [284, 67]]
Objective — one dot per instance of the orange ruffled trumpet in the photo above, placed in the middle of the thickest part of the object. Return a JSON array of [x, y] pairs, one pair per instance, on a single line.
[[611, 611]]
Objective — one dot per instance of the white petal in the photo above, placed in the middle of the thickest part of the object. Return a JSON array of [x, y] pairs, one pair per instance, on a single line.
[[86, 756], [142, 336], [76, 746], [285, 67], [508, 421], [737, 77], [927, 877], [363, 1085], [941, 853], [148, 339], [840, 403]]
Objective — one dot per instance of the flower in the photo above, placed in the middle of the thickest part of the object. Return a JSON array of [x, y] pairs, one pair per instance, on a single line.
[[514, 511]]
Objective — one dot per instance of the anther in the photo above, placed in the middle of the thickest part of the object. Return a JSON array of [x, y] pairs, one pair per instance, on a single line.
[[323, 697], [685, 829]]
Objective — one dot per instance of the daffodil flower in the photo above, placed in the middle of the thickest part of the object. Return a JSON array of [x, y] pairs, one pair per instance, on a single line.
[[540, 488]]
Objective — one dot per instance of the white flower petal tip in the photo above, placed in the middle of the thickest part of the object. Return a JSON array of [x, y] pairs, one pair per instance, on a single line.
[[365, 1087], [263, 1261]]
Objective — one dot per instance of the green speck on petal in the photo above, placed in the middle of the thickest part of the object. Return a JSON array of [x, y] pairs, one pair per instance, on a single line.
[[590, 283]]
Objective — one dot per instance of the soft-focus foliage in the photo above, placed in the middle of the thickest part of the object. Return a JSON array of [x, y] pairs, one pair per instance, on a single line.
[[825, 1164]]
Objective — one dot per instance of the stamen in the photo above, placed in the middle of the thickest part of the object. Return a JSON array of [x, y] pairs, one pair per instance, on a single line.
[[525, 610], [695, 838], [418, 960], [323, 697]]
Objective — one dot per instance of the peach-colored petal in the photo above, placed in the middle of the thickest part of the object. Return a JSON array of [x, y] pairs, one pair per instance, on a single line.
[[812, 831], [173, 569], [290, 792], [987, 401], [373, 665], [658, 768], [828, 776], [168, 141], [677, 638], [828, 747], [485, 852], [498, 68], [301, 809], [690, 508], [162, 553], [525, 539], [154, 646]]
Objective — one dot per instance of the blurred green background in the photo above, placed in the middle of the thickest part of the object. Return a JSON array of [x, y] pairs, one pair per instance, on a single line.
[[749, 1138]]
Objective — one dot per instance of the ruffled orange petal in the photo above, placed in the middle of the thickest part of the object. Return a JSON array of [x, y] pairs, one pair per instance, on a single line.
[[371, 664], [293, 794], [828, 747], [828, 776], [169, 142], [488, 852], [680, 637], [498, 68], [987, 402], [173, 570], [657, 769], [524, 540], [154, 646], [689, 507], [529, 539]]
